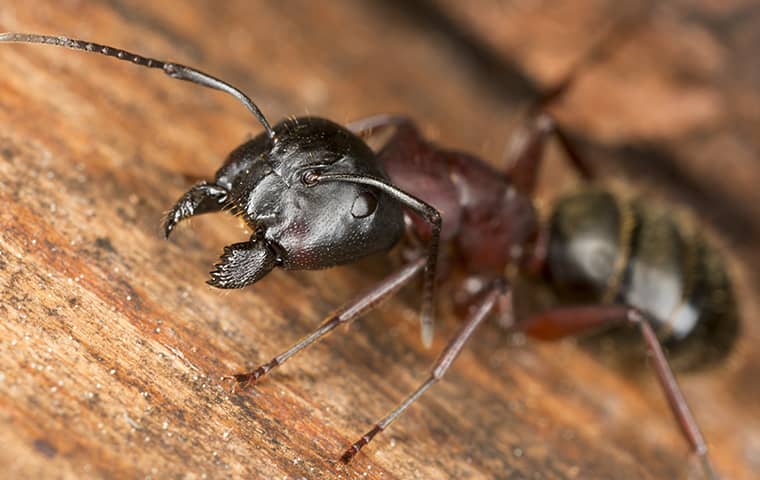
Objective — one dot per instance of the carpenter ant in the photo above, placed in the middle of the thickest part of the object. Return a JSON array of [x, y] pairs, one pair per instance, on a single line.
[[315, 195]]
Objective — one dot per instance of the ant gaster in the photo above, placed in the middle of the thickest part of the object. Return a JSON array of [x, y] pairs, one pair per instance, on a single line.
[[315, 195]]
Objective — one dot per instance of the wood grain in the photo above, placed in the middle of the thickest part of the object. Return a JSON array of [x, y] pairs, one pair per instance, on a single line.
[[111, 345]]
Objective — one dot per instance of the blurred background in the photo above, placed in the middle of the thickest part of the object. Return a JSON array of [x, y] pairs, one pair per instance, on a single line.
[[672, 112]]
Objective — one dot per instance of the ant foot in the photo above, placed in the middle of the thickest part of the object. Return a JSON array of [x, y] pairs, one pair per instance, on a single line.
[[235, 381], [351, 452], [244, 380]]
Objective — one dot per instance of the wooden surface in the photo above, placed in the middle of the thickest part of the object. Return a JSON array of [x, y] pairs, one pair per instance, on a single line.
[[111, 345]]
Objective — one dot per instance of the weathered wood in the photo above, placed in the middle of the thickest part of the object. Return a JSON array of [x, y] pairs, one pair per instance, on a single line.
[[111, 345]]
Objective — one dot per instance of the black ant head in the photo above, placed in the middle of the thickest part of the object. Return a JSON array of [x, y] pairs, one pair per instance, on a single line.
[[303, 196], [317, 224], [312, 190]]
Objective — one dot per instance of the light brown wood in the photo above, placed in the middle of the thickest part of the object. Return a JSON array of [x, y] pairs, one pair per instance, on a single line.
[[111, 345]]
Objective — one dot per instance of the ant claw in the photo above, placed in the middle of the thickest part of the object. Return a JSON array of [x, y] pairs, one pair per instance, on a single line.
[[245, 380], [224, 380], [238, 381]]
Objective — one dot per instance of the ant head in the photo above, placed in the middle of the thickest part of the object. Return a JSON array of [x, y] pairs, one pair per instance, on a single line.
[[311, 189], [300, 218]]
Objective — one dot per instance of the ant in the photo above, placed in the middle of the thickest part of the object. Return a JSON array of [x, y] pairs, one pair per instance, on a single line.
[[315, 195]]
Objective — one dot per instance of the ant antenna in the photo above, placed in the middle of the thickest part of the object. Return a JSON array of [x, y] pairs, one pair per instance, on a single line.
[[174, 70], [431, 215]]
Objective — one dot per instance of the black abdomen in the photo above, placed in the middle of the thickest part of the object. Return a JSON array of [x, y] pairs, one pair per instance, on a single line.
[[608, 250]]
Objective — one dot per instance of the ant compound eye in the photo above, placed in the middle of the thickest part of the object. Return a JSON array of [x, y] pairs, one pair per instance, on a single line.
[[364, 205], [310, 177]]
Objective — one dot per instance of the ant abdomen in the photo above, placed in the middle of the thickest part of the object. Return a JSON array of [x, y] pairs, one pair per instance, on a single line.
[[606, 249]]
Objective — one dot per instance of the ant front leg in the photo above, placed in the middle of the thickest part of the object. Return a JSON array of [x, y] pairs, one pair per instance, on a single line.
[[568, 321], [362, 304], [480, 311], [204, 197]]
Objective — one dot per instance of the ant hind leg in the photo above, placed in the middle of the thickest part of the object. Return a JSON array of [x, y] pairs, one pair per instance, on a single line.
[[573, 320]]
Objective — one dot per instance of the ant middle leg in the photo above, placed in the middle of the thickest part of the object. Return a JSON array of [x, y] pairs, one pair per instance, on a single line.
[[573, 320], [203, 197], [480, 311], [526, 148], [526, 152], [347, 313]]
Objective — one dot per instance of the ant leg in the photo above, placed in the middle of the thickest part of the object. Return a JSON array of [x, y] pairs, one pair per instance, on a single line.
[[204, 197], [367, 126], [573, 320], [526, 152], [534, 261], [479, 313], [527, 145], [347, 313], [426, 212]]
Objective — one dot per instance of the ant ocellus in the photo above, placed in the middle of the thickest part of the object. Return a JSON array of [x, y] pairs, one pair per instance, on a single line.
[[315, 195]]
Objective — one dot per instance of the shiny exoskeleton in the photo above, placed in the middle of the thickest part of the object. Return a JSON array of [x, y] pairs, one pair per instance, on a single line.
[[604, 248], [315, 195]]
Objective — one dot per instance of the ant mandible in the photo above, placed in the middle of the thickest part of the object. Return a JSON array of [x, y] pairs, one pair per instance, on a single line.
[[315, 195]]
